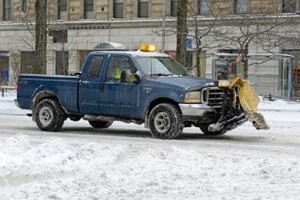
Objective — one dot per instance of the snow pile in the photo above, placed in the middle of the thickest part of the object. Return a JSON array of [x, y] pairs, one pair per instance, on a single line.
[[69, 165], [9, 95], [279, 105], [281, 115], [59, 170], [7, 105]]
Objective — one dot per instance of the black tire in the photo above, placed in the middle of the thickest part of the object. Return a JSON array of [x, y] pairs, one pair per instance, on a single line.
[[165, 121], [49, 115], [204, 129], [100, 124]]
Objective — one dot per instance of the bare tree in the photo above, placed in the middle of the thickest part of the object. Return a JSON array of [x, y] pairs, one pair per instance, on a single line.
[[59, 35], [248, 30], [181, 31], [15, 64], [40, 60], [199, 30]]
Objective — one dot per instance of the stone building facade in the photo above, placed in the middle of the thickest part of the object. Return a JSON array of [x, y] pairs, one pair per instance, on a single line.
[[77, 26]]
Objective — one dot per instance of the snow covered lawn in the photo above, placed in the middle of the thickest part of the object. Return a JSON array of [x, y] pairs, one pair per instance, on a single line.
[[243, 164]]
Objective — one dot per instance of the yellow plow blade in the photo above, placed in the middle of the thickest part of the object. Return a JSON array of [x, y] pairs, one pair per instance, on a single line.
[[249, 101]]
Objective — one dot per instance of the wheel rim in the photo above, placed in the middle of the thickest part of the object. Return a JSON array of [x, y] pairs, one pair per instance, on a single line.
[[45, 116], [162, 122]]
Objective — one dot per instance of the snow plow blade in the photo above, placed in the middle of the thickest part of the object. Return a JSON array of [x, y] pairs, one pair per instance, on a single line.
[[249, 102]]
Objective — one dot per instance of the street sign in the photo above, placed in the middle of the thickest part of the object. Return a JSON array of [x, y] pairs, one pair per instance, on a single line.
[[188, 43]]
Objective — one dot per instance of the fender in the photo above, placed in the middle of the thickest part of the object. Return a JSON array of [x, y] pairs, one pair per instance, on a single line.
[[40, 93], [160, 97]]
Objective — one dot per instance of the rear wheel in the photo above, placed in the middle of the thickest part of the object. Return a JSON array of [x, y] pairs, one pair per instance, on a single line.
[[204, 129], [100, 124], [49, 115], [165, 121]]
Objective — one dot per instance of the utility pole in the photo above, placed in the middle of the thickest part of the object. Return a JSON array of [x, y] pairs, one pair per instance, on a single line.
[[40, 37], [163, 35], [181, 31]]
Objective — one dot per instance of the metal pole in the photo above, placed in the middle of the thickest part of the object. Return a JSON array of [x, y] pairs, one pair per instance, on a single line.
[[283, 77], [291, 78], [163, 35]]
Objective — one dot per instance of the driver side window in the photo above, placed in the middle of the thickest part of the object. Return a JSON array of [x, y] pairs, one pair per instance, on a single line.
[[94, 69], [117, 64]]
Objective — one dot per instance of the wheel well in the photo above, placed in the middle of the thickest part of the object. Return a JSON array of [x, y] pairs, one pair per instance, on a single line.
[[38, 98], [159, 101], [44, 95], [155, 103]]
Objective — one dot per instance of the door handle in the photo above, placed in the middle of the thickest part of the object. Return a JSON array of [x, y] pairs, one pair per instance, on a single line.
[[102, 87], [84, 82]]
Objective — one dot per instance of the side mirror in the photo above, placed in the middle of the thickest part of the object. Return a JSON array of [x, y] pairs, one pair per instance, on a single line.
[[137, 77], [128, 77], [125, 75]]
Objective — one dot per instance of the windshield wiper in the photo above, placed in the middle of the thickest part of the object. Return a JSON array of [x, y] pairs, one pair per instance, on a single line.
[[160, 74], [185, 75]]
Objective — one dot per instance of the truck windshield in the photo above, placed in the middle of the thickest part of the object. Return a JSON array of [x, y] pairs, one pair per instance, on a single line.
[[161, 66]]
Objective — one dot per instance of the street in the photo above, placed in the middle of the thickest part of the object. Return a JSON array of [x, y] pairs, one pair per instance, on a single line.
[[125, 162], [244, 137]]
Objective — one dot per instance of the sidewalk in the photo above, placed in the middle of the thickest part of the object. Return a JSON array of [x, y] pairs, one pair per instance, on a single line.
[[279, 105]]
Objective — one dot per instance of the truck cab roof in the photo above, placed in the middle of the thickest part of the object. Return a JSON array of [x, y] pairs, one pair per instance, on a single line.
[[131, 53]]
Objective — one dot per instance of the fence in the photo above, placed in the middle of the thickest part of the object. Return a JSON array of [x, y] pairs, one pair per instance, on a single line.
[[4, 89]]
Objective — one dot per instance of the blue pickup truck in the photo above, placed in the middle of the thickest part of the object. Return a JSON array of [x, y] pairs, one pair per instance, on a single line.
[[131, 86]]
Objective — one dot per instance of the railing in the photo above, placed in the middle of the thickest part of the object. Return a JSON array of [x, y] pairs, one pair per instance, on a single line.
[[4, 89]]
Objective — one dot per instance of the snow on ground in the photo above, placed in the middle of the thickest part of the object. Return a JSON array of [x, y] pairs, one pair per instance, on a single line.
[[74, 166]]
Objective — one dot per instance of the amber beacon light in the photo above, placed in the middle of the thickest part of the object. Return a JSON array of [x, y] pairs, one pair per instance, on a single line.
[[147, 48]]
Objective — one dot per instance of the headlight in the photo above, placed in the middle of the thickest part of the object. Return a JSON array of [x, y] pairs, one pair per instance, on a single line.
[[224, 83], [192, 97]]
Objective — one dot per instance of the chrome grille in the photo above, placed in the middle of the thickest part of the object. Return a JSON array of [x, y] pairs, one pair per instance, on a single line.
[[213, 96]]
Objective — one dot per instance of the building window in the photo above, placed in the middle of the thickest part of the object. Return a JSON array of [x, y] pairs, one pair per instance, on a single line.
[[174, 8], [7, 10], [62, 62], [24, 6], [118, 8], [240, 6], [62, 9], [143, 8], [204, 7], [59, 36], [288, 6], [88, 9], [4, 67], [27, 62]]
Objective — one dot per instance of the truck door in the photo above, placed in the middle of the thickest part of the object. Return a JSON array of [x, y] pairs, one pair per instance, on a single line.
[[116, 97], [89, 85]]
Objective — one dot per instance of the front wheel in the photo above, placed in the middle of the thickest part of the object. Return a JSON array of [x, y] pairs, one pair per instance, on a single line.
[[49, 115], [100, 124], [204, 129], [165, 121]]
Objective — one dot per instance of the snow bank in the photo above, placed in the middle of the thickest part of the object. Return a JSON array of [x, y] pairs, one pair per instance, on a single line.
[[7, 105], [59, 170]]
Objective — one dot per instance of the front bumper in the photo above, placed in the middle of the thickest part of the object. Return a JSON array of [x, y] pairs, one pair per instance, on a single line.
[[195, 110]]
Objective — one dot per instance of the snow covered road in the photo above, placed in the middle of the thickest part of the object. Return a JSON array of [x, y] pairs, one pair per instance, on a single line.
[[124, 162]]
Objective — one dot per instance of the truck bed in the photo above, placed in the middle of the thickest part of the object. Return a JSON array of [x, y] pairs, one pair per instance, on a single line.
[[64, 87]]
